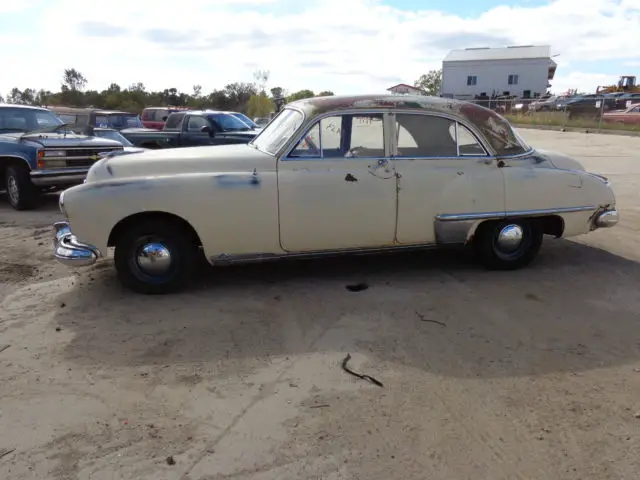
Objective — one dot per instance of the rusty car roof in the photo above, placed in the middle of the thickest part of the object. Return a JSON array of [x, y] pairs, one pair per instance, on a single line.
[[495, 129]]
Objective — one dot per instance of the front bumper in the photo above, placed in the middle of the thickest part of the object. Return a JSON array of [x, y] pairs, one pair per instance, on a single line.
[[606, 219], [58, 178], [69, 251]]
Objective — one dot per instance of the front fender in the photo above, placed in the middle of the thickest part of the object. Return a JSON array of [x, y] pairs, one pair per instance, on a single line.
[[29, 160]]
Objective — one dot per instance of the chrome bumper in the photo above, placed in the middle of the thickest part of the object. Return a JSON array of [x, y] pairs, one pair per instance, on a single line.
[[68, 250], [606, 219]]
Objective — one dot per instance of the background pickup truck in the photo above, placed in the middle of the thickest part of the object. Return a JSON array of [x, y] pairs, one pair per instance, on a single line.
[[39, 153], [193, 128]]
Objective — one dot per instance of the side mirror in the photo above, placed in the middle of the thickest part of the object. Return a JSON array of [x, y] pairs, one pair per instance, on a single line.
[[164, 119], [207, 129]]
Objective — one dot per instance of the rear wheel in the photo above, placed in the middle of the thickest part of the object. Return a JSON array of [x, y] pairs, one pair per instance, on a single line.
[[510, 244], [21, 192], [156, 257]]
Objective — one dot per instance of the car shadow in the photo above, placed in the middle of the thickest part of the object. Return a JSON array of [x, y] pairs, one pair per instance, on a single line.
[[573, 310]]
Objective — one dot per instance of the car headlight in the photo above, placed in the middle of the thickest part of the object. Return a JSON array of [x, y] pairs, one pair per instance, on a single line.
[[55, 153]]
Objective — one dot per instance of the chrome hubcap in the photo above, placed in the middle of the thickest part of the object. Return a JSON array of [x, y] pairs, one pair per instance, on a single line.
[[510, 238], [154, 259], [12, 190]]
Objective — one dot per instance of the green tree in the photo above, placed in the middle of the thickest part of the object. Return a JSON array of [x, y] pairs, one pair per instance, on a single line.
[[430, 83], [326, 93], [299, 95], [259, 106], [73, 79]]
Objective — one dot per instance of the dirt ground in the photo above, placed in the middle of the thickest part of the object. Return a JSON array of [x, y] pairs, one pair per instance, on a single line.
[[533, 374]]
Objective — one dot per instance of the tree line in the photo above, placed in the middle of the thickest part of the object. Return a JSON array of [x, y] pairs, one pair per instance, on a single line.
[[252, 98]]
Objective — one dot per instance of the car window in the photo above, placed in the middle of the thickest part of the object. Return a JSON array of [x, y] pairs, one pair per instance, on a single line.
[[159, 114], [174, 121], [425, 136], [343, 136], [636, 110], [68, 118], [195, 123], [467, 142]]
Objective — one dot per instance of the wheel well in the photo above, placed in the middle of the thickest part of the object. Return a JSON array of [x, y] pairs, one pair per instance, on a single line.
[[6, 162], [176, 220]]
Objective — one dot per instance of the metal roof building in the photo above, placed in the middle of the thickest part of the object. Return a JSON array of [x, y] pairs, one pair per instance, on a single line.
[[523, 71]]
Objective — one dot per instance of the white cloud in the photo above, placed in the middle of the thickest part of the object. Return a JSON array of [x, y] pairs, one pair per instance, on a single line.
[[343, 45]]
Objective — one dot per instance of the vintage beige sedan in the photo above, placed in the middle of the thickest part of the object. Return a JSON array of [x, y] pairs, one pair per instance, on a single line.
[[332, 175]]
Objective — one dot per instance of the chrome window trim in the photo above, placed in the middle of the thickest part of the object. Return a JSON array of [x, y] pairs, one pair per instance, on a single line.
[[489, 153], [455, 217], [317, 119]]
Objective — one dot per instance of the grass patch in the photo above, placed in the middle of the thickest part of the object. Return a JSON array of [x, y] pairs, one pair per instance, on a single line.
[[559, 119]]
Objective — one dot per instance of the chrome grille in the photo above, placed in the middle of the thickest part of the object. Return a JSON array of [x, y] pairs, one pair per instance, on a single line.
[[76, 157]]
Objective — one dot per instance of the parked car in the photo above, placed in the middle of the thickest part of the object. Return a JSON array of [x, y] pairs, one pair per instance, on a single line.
[[155, 117], [37, 153], [192, 128], [333, 175], [80, 118], [629, 116], [544, 104]]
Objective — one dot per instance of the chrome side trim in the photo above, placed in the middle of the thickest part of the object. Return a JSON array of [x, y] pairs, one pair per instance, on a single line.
[[454, 217], [69, 251], [58, 179]]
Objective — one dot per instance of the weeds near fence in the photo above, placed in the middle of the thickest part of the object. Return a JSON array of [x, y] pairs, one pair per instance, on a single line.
[[559, 119]]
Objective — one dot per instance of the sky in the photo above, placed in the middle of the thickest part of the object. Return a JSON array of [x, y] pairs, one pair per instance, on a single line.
[[346, 46]]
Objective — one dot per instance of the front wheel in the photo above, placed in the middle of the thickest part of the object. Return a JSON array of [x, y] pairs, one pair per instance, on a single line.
[[509, 244], [21, 192], [155, 258]]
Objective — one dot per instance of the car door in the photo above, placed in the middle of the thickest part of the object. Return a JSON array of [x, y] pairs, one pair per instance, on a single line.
[[336, 187], [443, 169], [191, 131]]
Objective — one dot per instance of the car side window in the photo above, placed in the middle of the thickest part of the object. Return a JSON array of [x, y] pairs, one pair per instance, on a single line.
[[67, 118], [174, 122], [430, 136], [467, 142], [196, 123], [343, 136]]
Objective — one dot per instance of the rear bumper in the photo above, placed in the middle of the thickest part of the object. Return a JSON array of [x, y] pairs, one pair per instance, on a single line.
[[606, 219], [69, 251]]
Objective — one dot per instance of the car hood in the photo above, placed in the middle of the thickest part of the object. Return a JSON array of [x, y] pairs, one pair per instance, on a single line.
[[560, 160], [59, 140], [177, 161]]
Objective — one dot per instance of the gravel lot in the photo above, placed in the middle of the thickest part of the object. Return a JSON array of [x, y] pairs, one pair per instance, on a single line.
[[533, 374]]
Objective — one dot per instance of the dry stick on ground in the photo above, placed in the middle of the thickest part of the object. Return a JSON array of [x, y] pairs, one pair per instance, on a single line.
[[6, 451], [4, 347], [424, 319], [359, 375]]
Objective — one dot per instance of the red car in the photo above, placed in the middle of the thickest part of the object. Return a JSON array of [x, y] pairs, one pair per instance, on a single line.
[[630, 115], [154, 117]]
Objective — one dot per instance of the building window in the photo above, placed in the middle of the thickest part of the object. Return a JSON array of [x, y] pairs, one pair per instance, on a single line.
[[472, 80], [513, 79]]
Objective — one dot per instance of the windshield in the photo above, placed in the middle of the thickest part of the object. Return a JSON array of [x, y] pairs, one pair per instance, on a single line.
[[26, 119], [278, 131], [119, 121], [113, 135], [521, 140], [245, 119], [229, 123]]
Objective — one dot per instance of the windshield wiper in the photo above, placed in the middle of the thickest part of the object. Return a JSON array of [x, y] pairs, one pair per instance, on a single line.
[[51, 129]]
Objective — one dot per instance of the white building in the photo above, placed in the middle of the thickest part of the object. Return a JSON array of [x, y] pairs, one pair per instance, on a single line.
[[523, 71]]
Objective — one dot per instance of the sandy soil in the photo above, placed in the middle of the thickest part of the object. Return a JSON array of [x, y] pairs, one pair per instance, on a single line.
[[533, 374]]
